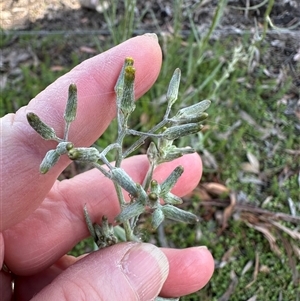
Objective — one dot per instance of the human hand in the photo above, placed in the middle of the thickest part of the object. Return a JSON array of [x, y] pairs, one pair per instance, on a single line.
[[42, 218]]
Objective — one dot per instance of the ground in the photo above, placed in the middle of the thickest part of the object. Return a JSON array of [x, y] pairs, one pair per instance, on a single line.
[[48, 16], [59, 14]]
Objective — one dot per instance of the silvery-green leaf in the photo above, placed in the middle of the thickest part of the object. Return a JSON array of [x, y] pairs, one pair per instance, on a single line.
[[123, 179], [179, 215], [194, 110], [127, 104], [141, 194], [71, 107], [174, 152], [119, 232], [169, 157], [169, 183], [49, 161], [189, 119], [157, 218], [130, 211], [172, 93], [178, 131], [152, 152], [172, 199], [40, 127]]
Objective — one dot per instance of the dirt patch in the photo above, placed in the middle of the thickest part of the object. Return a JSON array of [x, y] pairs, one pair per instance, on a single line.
[[69, 16], [57, 14], [18, 14]]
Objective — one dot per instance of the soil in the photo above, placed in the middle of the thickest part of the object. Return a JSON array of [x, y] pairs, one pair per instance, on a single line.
[[70, 16], [60, 14]]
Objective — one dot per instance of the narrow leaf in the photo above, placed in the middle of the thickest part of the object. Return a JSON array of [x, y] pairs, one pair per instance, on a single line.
[[132, 210], [71, 107], [179, 215], [172, 93], [49, 161], [171, 180], [157, 218], [40, 127]]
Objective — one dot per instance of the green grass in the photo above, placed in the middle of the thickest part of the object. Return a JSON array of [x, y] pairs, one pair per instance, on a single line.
[[244, 245], [228, 138]]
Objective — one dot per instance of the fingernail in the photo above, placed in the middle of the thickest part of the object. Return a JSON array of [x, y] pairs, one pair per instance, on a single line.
[[152, 35], [202, 247], [146, 269]]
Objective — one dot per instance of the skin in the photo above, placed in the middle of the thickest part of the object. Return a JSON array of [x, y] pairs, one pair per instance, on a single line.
[[42, 218]]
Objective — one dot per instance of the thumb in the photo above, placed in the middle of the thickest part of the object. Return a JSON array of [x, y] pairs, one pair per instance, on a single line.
[[126, 271]]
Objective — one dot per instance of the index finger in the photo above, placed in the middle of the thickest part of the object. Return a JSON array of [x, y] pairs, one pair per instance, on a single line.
[[23, 188]]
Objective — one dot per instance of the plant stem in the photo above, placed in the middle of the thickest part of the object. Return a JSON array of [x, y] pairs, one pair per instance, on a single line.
[[141, 140], [148, 176]]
